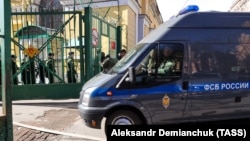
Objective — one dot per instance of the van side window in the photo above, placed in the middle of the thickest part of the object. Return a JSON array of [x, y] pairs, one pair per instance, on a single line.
[[162, 62], [204, 63], [170, 60], [229, 60], [148, 63]]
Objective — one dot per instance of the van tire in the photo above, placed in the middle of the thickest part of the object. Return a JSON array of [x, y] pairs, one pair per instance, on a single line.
[[122, 117]]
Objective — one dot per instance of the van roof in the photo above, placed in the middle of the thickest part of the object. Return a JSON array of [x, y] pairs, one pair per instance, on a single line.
[[211, 19], [204, 20]]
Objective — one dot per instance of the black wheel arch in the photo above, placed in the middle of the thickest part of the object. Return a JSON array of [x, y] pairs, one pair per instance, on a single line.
[[130, 108]]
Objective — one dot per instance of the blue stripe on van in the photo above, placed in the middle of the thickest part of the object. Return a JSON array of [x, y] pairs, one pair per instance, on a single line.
[[169, 89], [175, 89]]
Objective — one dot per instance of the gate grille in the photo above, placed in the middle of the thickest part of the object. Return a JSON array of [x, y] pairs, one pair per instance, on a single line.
[[35, 36], [32, 44]]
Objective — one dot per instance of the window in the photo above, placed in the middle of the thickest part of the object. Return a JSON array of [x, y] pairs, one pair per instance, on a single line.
[[220, 60], [163, 62]]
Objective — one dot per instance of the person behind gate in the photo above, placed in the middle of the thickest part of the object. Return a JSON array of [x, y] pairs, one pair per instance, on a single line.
[[41, 72], [50, 63], [14, 69], [71, 72], [108, 63], [26, 72]]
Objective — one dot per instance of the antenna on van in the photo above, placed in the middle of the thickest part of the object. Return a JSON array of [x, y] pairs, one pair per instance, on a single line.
[[189, 8]]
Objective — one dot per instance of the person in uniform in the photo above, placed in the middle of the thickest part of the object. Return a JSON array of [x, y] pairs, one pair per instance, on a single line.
[[166, 64], [71, 72], [14, 68], [50, 63]]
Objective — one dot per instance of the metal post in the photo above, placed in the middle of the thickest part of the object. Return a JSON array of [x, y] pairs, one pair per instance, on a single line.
[[119, 38], [88, 43], [5, 32], [82, 71]]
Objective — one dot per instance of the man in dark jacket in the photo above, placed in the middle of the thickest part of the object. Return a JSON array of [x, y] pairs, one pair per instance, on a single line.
[[71, 72], [122, 53], [108, 63], [50, 63], [14, 69]]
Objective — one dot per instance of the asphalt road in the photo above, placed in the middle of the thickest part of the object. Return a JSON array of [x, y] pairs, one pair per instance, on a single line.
[[54, 120]]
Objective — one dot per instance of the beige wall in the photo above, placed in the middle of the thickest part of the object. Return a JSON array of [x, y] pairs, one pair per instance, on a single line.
[[153, 13], [240, 6], [146, 30], [131, 29], [153, 17]]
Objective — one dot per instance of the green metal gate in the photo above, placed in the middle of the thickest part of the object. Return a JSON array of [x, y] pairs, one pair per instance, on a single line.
[[105, 37], [36, 34]]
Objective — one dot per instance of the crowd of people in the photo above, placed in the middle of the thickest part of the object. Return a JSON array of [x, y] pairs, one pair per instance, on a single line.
[[31, 70]]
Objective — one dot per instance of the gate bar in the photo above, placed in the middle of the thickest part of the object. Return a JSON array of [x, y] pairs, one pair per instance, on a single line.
[[5, 44]]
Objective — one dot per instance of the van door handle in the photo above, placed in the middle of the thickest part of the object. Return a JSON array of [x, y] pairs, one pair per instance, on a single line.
[[133, 96], [185, 85]]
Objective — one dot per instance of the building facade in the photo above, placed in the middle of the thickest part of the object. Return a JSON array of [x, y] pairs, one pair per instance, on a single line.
[[136, 17], [240, 6]]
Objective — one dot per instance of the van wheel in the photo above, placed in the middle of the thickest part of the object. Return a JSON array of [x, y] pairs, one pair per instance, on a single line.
[[122, 117]]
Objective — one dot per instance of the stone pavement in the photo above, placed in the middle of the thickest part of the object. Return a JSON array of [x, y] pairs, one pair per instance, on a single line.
[[26, 134]]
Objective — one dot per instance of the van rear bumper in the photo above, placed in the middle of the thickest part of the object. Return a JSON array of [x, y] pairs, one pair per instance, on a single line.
[[91, 114]]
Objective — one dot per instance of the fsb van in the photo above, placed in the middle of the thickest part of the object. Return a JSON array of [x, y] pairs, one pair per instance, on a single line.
[[208, 78]]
